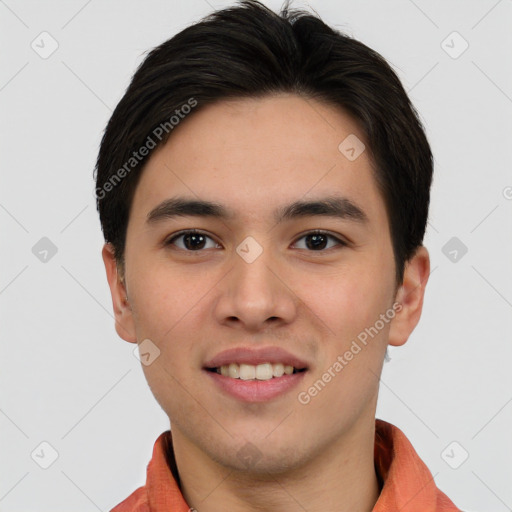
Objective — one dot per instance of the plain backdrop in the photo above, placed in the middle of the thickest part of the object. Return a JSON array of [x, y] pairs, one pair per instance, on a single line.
[[69, 382]]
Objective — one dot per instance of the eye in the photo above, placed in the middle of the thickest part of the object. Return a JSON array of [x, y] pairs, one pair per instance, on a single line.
[[192, 240], [319, 240]]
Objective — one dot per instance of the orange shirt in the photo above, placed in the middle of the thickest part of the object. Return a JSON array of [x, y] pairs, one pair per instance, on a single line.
[[407, 484]]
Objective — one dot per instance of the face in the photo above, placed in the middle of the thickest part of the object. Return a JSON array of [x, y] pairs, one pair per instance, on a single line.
[[310, 286]]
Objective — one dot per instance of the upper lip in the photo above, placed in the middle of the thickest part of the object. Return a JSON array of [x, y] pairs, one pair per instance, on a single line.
[[255, 356]]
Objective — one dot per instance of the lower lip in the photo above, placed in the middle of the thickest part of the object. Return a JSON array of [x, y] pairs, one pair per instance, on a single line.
[[256, 390]]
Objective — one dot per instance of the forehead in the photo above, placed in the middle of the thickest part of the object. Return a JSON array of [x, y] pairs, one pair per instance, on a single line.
[[259, 153]]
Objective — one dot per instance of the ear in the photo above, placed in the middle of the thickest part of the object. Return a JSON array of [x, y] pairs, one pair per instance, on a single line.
[[410, 296], [125, 326]]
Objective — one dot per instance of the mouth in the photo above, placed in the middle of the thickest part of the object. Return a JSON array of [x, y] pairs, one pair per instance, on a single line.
[[265, 371], [255, 375]]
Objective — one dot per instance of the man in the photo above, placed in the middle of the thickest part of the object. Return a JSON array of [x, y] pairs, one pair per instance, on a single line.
[[263, 188]]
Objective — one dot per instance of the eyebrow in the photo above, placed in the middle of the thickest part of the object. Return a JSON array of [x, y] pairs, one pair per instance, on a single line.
[[333, 206]]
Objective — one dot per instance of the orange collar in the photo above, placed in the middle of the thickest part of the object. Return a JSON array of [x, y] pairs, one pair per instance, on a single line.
[[407, 484]]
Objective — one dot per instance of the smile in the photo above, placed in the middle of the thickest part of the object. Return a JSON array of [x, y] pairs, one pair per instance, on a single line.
[[265, 371]]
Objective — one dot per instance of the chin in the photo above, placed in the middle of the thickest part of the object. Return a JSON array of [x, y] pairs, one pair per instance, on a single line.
[[262, 462]]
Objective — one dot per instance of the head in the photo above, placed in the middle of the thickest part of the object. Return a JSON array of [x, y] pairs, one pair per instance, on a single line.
[[296, 155]]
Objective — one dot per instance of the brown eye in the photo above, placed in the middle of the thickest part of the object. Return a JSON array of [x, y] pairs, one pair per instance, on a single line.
[[319, 240], [192, 241]]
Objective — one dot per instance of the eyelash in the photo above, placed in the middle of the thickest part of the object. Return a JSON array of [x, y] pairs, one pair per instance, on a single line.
[[340, 242]]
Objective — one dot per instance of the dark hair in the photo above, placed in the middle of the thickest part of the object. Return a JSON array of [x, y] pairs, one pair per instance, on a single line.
[[249, 51]]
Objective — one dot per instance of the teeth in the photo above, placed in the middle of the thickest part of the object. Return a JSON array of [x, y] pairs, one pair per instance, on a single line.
[[233, 371], [247, 372], [265, 371], [278, 369]]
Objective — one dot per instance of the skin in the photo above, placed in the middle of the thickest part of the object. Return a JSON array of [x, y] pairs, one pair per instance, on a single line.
[[254, 155]]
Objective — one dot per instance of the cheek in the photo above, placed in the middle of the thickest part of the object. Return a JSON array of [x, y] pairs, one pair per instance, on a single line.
[[166, 309], [350, 300], [170, 308], [166, 299]]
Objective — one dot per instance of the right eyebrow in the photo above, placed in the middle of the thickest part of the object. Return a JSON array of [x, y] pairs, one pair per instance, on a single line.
[[181, 207]]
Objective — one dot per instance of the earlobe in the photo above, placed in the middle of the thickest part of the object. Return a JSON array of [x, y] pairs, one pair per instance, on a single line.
[[124, 323], [410, 297]]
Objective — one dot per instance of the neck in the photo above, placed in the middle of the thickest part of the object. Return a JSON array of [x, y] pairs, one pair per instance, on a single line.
[[341, 477]]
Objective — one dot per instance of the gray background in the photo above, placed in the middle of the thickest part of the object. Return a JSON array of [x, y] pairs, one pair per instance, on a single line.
[[68, 380]]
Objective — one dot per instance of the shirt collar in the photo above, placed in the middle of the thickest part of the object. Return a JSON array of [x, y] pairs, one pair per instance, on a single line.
[[406, 482]]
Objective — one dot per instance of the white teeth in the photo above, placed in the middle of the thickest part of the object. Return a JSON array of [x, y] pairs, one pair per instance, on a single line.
[[247, 371], [233, 371], [263, 371], [278, 369]]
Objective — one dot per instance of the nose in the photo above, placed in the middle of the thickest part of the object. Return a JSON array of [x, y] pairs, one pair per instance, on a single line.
[[256, 294]]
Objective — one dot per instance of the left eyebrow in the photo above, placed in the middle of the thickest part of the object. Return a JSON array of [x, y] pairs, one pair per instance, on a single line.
[[334, 206]]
